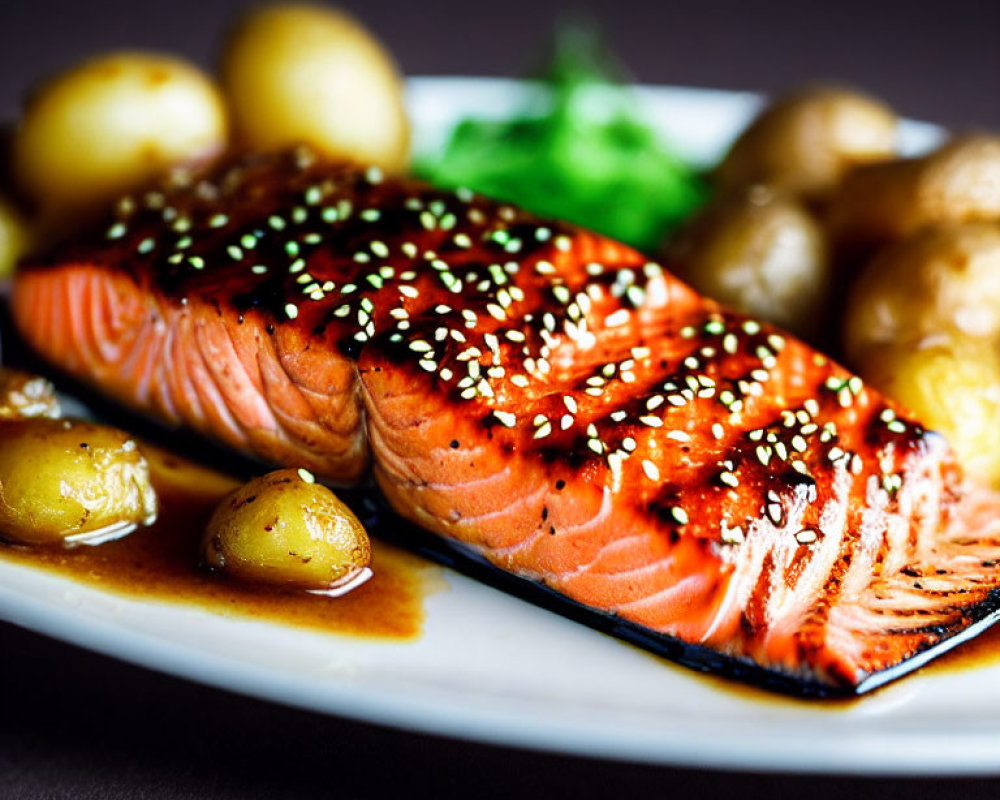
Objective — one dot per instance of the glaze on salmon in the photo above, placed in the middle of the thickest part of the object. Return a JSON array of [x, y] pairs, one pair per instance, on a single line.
[[545, 397]]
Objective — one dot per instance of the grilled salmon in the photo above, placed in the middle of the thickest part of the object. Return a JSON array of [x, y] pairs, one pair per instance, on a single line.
[[548, 399]]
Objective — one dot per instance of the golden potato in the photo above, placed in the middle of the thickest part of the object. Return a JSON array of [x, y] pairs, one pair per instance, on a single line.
[[13, 238], [960, 182], [942, 280], [112, 123], [64, 482], [761, 254], [952, 385], [806, 141], [23, 395], [286, 530], [312, 75]]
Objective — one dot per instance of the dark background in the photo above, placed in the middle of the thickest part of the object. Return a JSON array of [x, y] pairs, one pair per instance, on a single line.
[[76, 725], [932, 60]]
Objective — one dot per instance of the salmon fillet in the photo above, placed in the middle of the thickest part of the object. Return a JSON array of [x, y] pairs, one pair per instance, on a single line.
[[547, 399]]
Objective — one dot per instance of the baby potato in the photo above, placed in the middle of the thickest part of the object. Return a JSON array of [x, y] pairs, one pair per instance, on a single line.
[[283, 529], [941, 280], [761, 254], [13, 238], [112, 123], [804, 143], [304, 74], [960, 182], [23, 395], [952, 385], [69, 483]]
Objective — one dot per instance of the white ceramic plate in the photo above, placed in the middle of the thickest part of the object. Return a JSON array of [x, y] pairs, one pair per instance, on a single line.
[[493, 668]]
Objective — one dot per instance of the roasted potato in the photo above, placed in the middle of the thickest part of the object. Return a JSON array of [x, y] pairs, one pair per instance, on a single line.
[[13, 237], [283, 529], [64, 482], [805, 142], [23, 395], [312, 75], [110, 124], [941, 281], [952, 385], [960, 182], [760, 253]]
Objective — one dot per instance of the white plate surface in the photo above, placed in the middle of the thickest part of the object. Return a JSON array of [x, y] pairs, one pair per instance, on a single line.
[[493, 668]]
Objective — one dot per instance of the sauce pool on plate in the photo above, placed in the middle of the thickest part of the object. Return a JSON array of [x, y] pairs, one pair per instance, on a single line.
[[161, 563]]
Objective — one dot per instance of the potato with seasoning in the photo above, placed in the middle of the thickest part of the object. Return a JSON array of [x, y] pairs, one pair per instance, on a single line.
[[69, 483], [760, 253], [959, 182], [110, 124], [805, 142], [24, 395], [286, 530], [305, 74], [942, 281]]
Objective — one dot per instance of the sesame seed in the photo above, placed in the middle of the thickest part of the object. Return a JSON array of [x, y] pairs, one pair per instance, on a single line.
[[617, 318], [679, 514], [651, 470], [505, 418], [729, 479]]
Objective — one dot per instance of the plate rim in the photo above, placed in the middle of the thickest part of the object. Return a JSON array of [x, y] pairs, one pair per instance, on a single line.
[[933, 753]]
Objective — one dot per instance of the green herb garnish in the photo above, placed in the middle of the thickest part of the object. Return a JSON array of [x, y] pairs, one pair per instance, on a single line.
[[580, 153]]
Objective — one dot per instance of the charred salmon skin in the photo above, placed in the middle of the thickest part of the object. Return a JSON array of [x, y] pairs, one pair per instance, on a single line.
[[546, 398]]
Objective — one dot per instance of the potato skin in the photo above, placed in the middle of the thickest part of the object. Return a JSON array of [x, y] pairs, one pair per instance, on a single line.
[[922, 324], [760, 253], [943, 280], [959, 182], [805, 142], [23, 395], [110, 124], [64, 482], [283, 530], [14, 237], [304, 74]]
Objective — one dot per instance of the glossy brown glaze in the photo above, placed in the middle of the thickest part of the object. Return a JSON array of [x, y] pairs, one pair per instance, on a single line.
[[160, 563]]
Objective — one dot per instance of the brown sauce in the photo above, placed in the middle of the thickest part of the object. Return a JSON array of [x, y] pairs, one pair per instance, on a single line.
[[161, 563], [983, 651]]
